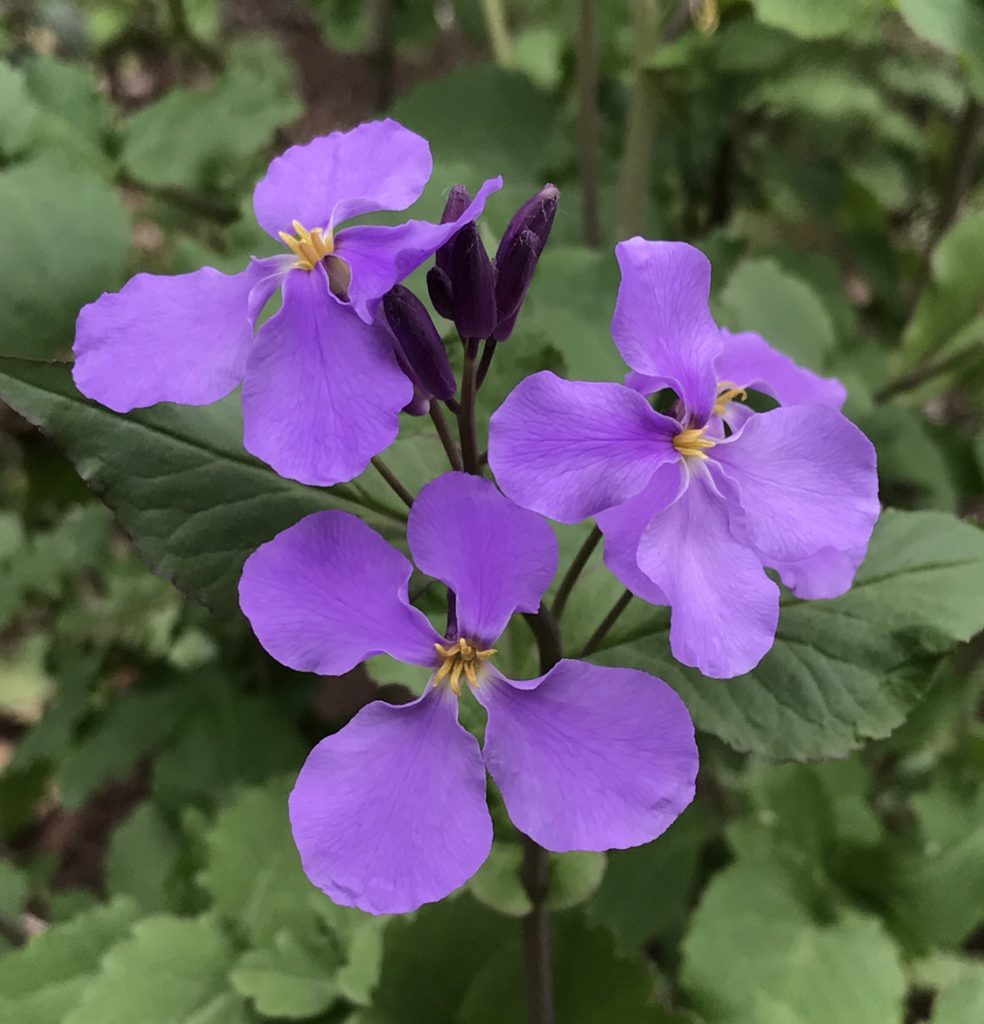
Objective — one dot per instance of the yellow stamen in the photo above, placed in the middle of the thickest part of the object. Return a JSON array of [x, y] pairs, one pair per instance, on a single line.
[[691, 443], [727, 392], [460, 658], [310, 247]]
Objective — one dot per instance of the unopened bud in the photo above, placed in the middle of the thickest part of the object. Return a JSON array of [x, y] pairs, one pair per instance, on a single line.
[[419, 342], [536, 215], [472, 285], [439, 290], [458, 201], [514, 272]]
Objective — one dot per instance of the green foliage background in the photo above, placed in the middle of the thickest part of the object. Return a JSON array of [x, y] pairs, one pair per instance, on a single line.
[[828, 157]]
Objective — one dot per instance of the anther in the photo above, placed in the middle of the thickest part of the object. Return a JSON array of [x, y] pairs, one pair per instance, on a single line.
[[691, 443], [310, 247]]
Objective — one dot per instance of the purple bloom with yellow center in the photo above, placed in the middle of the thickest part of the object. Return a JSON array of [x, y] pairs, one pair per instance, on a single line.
[[322, 388], [391, 812], [696, 503]]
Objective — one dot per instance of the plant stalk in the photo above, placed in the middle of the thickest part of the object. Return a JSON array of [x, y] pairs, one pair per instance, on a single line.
[[444, 433], [466, 414], [594, 641], [588, 123], [390, 477], [576, 568]]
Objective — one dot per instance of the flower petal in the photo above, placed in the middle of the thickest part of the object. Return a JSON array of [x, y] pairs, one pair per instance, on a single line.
[[167, 339], [380, 256], [323, 391], [569, 449], [376, 166], [495, 556], [802, 478], [724, 607], [663, 325], [828, 573], [589, 758], [390, 812], [299, 593], [747, 360], [623, 526]]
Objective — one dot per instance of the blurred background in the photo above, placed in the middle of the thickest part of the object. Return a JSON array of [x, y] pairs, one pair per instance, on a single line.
[[827, 156]]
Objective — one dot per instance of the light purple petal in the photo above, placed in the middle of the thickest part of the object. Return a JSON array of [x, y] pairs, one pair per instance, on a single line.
[[589, 758], [376, 166], [329, 592], [802, 478], [663, 325], [724, 607], [747, 360], [323, 391], [495, 556], [178, 339], [623, 526], [380, 256], [828, 573], [390, 812], [569, 449]]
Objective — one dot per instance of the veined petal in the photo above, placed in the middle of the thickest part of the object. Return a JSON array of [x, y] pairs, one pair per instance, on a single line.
[[379, 165], [829, 573], [589, 758], [494, 555], [569, 449], [178, 339], [380, 256], [800, 478], [323, 390], [747, 360], [663, 325], [724, 607], [390, 812], [329, 592]]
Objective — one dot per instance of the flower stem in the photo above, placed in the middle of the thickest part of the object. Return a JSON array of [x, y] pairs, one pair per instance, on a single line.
[[535, 875], [444, 433], [498, 30], [587, 120], [483, 367], [390, 477], [466, 414], [594, 642], [575, 570]]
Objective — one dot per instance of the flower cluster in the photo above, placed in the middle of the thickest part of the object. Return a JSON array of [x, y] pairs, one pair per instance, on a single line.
[[695, 492]]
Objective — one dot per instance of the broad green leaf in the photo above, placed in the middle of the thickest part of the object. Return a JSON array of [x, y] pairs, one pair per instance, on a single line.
[[962, 1002], [42, 981], [817, 19], [956, 26], [287, 978], [14, 890], [142, 857], [170, 971], [49, 215], [753, 955], [178, 478], [844, 671], [17, 111]]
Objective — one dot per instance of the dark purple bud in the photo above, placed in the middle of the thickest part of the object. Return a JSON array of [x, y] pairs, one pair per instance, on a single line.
[[472, 285], [458, 200], [514, 271], [536, 215], [418, 341], [439, 289]]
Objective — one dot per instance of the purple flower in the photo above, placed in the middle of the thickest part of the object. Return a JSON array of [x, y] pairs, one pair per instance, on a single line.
[[390, 812], [322, 390], [695, 504]]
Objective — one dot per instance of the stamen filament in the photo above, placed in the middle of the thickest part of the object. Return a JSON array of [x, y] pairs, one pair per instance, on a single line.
[[461, 658], [691, 443], [310, 247], [727, 392]]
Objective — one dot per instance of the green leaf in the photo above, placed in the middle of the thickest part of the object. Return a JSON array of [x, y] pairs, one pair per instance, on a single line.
[[14, 890], [753, 955], [962, 1002], [843, 671], [142, 857], [287, 978], [49, 214], [253, 873], [17, 112], [956, 26], [761, 296], [170, 971], [42, 981], [178, 478], [817, 19]]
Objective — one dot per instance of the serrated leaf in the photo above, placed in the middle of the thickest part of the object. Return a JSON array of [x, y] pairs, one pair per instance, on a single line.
[[141, 858], [843, 671], [178, 478], [170, 971], [753, 954]]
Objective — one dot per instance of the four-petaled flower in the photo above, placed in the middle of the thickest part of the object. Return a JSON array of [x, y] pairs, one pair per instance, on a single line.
[[695, 504], [390, 812], [322, 390]]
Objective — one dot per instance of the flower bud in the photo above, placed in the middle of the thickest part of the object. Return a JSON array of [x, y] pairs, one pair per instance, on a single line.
[[514, 273], [439, 289], [536, 215], [458, 201], [419, 342], [472, 285]]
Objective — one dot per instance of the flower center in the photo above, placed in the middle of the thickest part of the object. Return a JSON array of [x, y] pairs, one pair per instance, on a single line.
[[460, 658], [728, 391], [691, 442], [310, 247]]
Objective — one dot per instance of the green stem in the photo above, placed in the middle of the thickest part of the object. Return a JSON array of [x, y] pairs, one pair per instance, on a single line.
[[390, 477], [466, 414], [922, 374], [444, 433], [575, 570], [495, 25], [594, 641]]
